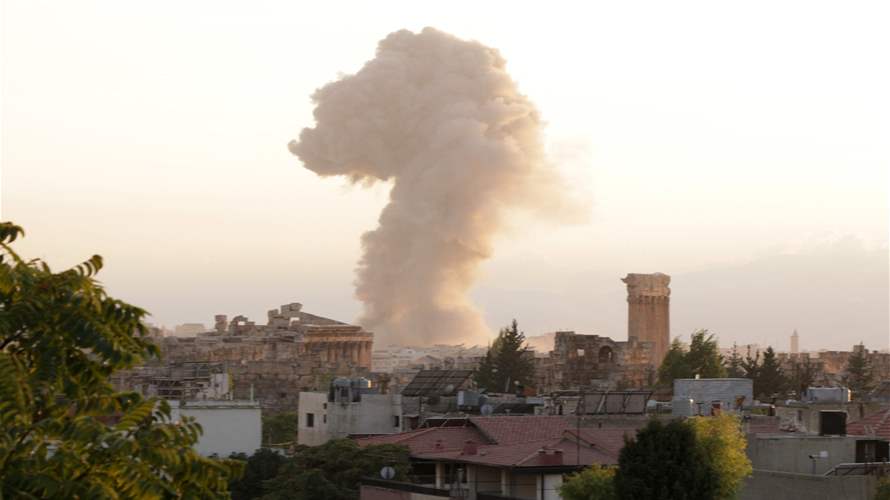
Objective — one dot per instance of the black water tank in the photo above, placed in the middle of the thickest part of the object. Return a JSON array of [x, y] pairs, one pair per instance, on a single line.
[[832, 423]]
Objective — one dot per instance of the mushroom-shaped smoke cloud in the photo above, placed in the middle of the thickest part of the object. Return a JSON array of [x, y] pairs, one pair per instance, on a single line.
[[442, 119]]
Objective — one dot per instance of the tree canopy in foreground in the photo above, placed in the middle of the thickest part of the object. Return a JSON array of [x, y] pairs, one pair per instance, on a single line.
[[64, 431], [701, 458], [333, 470]]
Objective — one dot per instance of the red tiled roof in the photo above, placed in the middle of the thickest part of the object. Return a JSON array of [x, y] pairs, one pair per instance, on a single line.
[[876, 424], [609, 440], [522, 429], [430, 439], [514, 441], [761, 424], [527, 454]]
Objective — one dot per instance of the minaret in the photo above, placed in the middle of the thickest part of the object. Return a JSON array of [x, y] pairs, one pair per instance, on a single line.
[[648, 311], [795, 345]]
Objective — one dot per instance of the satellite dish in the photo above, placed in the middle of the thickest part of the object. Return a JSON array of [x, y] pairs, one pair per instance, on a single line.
[[449, 388], [486, 410], [387, 473]]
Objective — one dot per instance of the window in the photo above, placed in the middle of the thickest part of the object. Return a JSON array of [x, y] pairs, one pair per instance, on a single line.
[[606, 355], [310, 420], [395, 421], [324, 418]]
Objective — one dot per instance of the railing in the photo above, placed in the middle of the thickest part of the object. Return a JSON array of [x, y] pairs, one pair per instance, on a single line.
[[860, 469], [493, 496], [401, 486]]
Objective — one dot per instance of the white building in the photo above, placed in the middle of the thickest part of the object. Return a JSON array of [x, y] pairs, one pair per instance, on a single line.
[[229, 426], [346, 411], [703, 396]]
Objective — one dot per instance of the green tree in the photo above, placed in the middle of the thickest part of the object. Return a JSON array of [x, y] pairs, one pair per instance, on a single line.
[[704, 356], [722, 441], [333, 470], [508, 362], [734, 364], [751, 365], [262, 466], [803, 374], [770, 380], [674, 365], [65, 432], [883, 491], [663, 461], [858, 375], [593, 483], [703, 359], [487, 370], [279, 429]]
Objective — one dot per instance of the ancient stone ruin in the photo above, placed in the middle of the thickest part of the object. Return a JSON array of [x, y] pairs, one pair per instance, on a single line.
[[648, 311], [294, 351], [593, 361]]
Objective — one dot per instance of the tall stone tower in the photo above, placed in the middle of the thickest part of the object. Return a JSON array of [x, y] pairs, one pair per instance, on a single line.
[[795, 343], [648, 311]]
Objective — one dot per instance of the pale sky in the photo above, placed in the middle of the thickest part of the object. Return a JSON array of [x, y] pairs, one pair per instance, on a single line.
[[741, 148]]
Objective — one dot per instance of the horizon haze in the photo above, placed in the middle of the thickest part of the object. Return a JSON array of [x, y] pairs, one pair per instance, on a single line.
[[748, 162]]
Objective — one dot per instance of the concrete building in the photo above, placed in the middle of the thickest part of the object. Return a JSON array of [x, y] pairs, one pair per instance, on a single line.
[[803, 465], [177, 381], [347, 409], [229, 426], [707, 396]]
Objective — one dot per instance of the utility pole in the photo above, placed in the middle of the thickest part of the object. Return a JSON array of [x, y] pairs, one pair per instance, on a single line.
[[578, 410]]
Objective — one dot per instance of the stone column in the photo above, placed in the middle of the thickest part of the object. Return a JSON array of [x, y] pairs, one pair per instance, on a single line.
[[353, 352], [366, 357], [648, 311]]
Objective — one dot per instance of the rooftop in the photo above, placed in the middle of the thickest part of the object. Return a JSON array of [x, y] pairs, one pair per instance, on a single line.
[[436, 382], [516, 441], [877, 424]]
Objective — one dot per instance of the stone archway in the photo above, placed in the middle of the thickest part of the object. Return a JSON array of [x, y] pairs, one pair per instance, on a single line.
[[606, 354]]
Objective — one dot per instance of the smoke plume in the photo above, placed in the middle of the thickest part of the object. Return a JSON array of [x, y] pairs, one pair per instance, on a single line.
[[441, 118]]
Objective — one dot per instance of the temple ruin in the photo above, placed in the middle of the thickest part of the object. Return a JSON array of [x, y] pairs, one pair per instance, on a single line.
[[294, 351], [648, 311], [597, 362]]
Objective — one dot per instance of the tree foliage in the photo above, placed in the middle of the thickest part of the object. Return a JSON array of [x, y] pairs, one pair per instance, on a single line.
[[803, 374], [883, 490], [333, 470], [723, 444], [65, 432], [858, 375], [734, 363], [698, 458], [508, 362], [279, 429], [703, 359], [770, 380], [663, 461], [262, 466], [593, 483]]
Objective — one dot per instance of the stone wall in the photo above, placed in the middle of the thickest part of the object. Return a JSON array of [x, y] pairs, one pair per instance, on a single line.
[[594, 361], [295, 351], [769, 484]]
